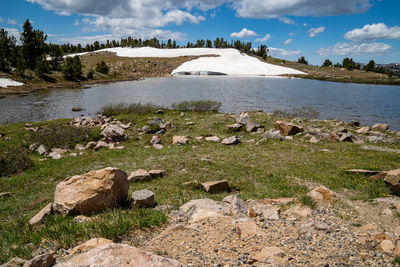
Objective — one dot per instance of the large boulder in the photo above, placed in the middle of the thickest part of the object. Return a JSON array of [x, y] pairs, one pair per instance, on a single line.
[[393, 180], [287, 128], [380, 126], [91, 192], [118, 255], [114, 133]]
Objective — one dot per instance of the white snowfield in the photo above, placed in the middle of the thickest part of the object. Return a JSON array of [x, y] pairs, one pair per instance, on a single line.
[[5, 82], [227, 61]]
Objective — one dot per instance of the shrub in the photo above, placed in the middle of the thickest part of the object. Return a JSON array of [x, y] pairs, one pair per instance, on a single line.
[[63, 136], [102, 67], [72, 69], [90, 74], [14, 160], [302, 60], [198, 106], [122, 108], [308, 201], [303, 112]]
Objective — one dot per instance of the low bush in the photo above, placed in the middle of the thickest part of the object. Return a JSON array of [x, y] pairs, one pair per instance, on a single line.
[[63, 136], [102, 67], [198, 106], [122, 108], [303, 112], [14, 160]]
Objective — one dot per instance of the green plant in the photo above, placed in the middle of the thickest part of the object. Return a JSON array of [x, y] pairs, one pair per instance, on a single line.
[[102, 67], [396, 261], [63, 136], [198, 106], [302, 60], [90, 74], [122, 108], [14, 160], [308, 201]]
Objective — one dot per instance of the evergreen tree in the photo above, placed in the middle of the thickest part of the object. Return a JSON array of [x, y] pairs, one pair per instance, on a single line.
[[302, 60], [56, 55], [262, 51], [72, 69], [33, 44], [327, 63], [348, 63], [7, 45], [370, 66]]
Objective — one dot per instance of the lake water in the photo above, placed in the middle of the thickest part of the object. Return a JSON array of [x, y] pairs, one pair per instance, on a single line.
[[367, 103]]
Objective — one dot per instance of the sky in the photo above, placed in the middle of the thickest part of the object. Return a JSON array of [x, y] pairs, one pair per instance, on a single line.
[[315, 29]]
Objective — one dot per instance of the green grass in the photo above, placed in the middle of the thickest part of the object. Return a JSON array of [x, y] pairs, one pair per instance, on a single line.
[[272, 169]]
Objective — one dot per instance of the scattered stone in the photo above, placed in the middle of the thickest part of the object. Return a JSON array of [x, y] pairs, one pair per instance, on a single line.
[[160, 111], [379, 148], [393, 180], [243, 118], [54, 155], [274, 135], [231, 140], [139, 176], [158, 146], [88, 245], [115, 255], [386, 246], [198, 209], [143, 198], [312, 227], [91, 192], [283, 201], [378, 176], [354, 123], [90, 145], [155, 140], [346, 137], [101, 144], [14, 262], [146, 129], [269, 252], [216, 186], [42, 216], [5, 194], [81, 219], [363, 130], [73, 154], [237, 206], [380, 126], [42, 150], [114, 133], [322, 194], [252, 127], [157, 173], [44, 260], [180, 140], [199, 138], [213, 139], [314, 140], [287, 128], [271, 213], [236, 127], [34, 147], [248, 229]]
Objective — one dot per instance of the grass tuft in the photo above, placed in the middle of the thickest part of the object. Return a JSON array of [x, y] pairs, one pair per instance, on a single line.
[[308, 201], [14, 160], [134, 108]]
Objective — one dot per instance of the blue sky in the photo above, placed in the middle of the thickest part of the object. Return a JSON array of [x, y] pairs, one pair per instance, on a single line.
[[316, 29]]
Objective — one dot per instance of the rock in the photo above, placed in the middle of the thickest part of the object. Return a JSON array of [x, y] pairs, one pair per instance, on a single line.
[[81, 219], [44, 260], [54, 155], [378, 176], [216, 186], [198, 209], [34, 147], [363, 130], [393, 180], [243, 118], [346, 137], [248, 229], [14, 262], [287, 128], [236, 127], [361, 171], [90, 145], [330, 137], [322, 194], [354, 123], [283, 201], [73, 154], [213, 139], [91, 192], [114, 133], [116, 255], [160, 111], [252, 127], [180, 140], [269, 252], [298, 211], [271, 214], [41, 217], [59, 150], [42, 150], [155, 140], [274, 135], [158, 146], [312, 227], [143, 198], [157, 173], [314, 140], [101, 144], [146, 129], [231, 140], [237, 206], [199, 138], [5, 194], [397, 251], [88, 245], [386, 246], [380, 126], [139, 176]]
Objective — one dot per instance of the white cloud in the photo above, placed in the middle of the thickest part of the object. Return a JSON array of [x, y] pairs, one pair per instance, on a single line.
[[244, 33], [286, 20], [283, 52], [264, 39], [12, 21], [305, 24], [373, 32], [315, 31], [76, 23], [267, 9], [1, 20], [291, 33], [288, 41], [343, 49], [13, 32]]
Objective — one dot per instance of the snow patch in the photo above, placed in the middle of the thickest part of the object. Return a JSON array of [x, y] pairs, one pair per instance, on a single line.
[[5, 82]]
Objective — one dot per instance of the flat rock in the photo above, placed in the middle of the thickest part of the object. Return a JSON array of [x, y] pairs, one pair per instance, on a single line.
[[14, 262], [287, 128], [233, 140], [180, 140], [273, 135], [213, 139], [139, 176], [41, 217], [54, 155], [346, 137], [42, 150], [155, 140], [91, 192], [157, 173], [88, 245], [5, 194], [216, 186], [198, 209], [386, 246], [143, 198], [312, 227], [118, 255], [252, 127], [236, 127], [363, 130], [44, 260], [380, 126]]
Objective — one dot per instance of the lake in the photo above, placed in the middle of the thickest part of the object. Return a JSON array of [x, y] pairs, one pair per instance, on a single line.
[[368, 104]]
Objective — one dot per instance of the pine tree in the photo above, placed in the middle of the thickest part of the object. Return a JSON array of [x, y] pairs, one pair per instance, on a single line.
[[302, 60], [7, 45], [33, 44], [327, 63]]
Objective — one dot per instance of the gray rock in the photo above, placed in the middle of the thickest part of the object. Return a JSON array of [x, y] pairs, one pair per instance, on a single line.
[[346, 137], [155, 140], [213, 139], [42, 150], [34, 147], [252, 127], [274, 135], [233, 140], [243, 118], [114, 133], [14, 262], [54, 155], [180, 140], [143, 198], [158, 146], [139, 176], [237, 206], [157, 173], [236, 127]]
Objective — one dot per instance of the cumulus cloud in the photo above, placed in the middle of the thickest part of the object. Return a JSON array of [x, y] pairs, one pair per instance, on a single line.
[[315, 31], [12, 21], [1, 20], [343, 49], [286, 20], [264, 39], [244, 33], [283, 52], [288, 41], [267, 9], [373, 32], [291, 33], [13, 32]]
